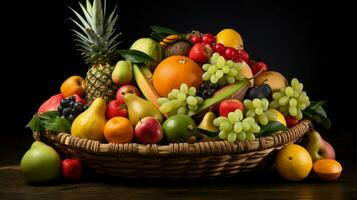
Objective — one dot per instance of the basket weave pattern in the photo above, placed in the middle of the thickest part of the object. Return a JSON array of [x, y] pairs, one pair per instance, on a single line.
[[179, 160]]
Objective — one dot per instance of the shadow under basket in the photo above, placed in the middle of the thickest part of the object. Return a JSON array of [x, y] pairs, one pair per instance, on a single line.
[[176, 160]]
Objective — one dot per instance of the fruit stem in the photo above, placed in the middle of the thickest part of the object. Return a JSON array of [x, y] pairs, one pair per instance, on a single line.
[[190, 128]]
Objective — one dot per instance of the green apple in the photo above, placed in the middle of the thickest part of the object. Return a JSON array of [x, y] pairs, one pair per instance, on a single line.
[[40, 163], [151, 48]]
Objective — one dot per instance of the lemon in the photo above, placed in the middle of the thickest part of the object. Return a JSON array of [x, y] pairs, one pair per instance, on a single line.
[[279, 116], [293, 162], [230, 38]]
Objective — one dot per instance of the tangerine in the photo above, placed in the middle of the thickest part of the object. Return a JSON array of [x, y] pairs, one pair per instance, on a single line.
[[175, 70], [118, 130], [327, 169]]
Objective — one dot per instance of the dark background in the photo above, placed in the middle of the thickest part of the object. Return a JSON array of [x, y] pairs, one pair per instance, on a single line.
[[298, 38]]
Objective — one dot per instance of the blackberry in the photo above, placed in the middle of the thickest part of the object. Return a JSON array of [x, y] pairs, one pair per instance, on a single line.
[[207, 89], [70, 109]]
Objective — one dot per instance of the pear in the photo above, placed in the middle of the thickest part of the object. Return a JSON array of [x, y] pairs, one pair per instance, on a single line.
[[122, 73], [139, 108], [40, 163], [318, 147], [207, 124], [90, 124]]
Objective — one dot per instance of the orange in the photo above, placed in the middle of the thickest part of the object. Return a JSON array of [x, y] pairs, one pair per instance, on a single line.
[[118, 130], [230, 38], [175, 70], [327, 169], [293, 162]]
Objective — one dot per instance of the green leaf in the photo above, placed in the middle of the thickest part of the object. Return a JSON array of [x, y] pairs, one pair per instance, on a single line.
[[319, 119], [164, 30], [270, 128], [58, 124], [208, 133], [317, 103], [35, 124], [135, 56]]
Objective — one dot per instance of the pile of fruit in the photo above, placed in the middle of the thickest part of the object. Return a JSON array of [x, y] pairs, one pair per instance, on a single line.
[[172, 88]]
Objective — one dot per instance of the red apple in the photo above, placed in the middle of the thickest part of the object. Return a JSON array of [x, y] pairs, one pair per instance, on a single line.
[[116, 109], [72, 169], [200, 52], [73, 85], [228, 106], [51, 104], [124, 90], [291, 121], [148, 131]]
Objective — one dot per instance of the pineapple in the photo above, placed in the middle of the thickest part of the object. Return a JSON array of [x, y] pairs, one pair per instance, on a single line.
[[97, 42]]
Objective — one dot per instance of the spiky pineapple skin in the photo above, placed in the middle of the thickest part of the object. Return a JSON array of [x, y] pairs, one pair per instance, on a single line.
[[100, 84]]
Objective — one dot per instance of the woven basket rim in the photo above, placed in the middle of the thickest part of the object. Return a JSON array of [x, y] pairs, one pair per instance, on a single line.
[[177, 149]]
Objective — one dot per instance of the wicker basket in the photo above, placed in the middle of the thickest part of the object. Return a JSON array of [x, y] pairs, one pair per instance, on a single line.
[[179, 160]]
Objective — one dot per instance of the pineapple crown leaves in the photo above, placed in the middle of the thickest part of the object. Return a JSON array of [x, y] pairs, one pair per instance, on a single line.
[[96, 38]]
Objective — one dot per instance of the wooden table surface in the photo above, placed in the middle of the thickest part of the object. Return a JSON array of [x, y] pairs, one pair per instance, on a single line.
[[257, 185]]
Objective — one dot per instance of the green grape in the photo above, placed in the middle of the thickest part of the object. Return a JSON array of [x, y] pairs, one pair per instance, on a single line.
[[238, 127], [230, 80], [255, 128], [218, 120], [271, 115], [283, 100], [183, 103], [246, 126], [222, 135], [166, 107], [206, 66], [258, 111], [212, 69], [184, 88], [257, 103], [206, 76], [289, 91], [232, 72], [284, 109], [239, 76], [233, 117], [225, 126], [299, 87], [181, 96], [221, 62], [225, 69], [162, 100], [191, 100], [173, 94], [292, 111], [230, 63], [249, 120], [214, 58], [241, 136], [192, 91], [190, 113], [296, 94], [274, 104], [232, 137], [213, 79], [239, 114], [248, 103], [250, 113], [302, 106], [219, 73], [294, 82], [265, 103], [182, 111], [293, 102], [199, 100], [176, 103], [263, 119], [192, 107], [250, 137], [299, 115], [277, 95]]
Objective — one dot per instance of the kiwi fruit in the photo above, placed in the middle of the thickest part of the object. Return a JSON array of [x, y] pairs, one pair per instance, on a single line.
[[179, 48]]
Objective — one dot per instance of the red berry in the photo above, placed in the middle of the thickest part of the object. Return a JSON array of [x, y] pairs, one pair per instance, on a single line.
[[196, 39], [208, 38], [291, 121], [243, 54], [229, 53], [220, 48]]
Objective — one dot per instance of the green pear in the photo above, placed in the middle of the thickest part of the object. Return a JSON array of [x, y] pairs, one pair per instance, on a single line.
[[318, 148], [207, 124], [139, 108], [40, 163], [122, 73], [90, 124]]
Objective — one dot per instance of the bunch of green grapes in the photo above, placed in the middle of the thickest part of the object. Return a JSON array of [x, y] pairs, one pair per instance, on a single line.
[[291, 100], [259, 110], [220, 71], [180, 101], [236, 127]]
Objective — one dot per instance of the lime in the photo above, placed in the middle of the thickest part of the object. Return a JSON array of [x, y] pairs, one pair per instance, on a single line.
[[180, 128]]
